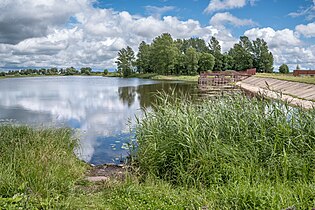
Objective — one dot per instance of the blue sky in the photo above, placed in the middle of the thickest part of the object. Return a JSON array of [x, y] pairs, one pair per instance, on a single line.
[[266, 13], [62, 33]]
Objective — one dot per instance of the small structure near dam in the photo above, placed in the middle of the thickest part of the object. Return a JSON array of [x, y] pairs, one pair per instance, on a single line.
[[223, 78], [297, 73]]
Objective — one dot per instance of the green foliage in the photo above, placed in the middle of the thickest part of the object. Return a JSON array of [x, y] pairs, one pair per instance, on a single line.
[[228, 62], [36, 166], [198, 44], [70, 71], [143, 58], [126, 61], [164, 54], [191, 61], [215, 50], [263, 59], [105, 72], [284, 69], [242, 54], [206, 62], [86, 70], [222, 142]]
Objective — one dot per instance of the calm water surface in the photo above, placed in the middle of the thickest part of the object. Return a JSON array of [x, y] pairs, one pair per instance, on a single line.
[[101, 110]]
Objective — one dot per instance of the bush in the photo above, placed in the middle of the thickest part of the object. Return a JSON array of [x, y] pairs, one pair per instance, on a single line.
[[284, 69]]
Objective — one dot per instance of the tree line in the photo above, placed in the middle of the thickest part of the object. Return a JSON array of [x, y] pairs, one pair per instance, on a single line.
[[50, 71], [167, 56]]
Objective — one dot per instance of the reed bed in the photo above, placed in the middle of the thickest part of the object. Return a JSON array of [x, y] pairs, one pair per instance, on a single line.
[[248, 153]]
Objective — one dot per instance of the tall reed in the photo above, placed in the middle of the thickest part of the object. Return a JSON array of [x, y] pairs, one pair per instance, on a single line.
[[226, 141]]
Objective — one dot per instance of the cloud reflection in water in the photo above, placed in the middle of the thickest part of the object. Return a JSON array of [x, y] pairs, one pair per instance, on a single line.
[[98, 108]]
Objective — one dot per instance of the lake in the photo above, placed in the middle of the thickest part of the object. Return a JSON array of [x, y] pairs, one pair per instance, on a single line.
[[100, 110]]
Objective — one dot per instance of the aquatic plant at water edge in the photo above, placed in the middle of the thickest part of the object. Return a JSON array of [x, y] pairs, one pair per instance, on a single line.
[[230, 141]]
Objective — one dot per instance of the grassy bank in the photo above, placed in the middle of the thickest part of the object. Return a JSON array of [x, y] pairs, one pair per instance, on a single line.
[[241, 153], [232, 153], [158, 77], [37, 167], [288, 77]]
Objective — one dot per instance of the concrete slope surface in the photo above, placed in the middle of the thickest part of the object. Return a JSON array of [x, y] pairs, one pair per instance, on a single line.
[[299, 94]]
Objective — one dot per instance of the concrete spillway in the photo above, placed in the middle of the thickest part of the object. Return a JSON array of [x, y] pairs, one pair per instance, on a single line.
[[299, 94]]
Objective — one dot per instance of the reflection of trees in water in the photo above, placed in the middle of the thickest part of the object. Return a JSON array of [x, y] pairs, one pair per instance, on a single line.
[[147, 93], [127, 95]]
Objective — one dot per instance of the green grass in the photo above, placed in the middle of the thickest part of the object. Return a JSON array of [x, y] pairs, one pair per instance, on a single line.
[[229, 147], [288, 77], [177, 78], [37, 167], [168, 77], [227, 153], [156, 76]]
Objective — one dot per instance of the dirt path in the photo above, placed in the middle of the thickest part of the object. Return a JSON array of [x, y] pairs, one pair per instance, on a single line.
[[295, 93], [106, 172]]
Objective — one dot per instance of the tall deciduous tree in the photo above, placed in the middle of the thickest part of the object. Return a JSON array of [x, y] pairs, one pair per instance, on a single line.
[[242, 54], [262, 58], [164, 54], [143, 62], [198, 44], [192, 59], [215, 50], [228, 62], [206, 62], [125, 61]]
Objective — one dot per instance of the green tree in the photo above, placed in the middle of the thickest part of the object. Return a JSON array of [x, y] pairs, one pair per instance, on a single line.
[[125, 61], [105, 72], [192, 59], [228, 62], [242, 54], [164, 54], [206, 62], [284, 69], [198, 44], [143, 62], [86, 70], [262, 58], [215, 50], [71, 71]]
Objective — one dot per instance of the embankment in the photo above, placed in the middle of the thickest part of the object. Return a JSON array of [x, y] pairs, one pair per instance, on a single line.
[[295, 93]]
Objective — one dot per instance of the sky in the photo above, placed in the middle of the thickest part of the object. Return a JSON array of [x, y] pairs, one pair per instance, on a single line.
[[89, 33]]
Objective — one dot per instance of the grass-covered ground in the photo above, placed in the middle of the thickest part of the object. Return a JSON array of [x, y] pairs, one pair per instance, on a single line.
[[230, 153], [159, 77], [38, 168], [288, 77]]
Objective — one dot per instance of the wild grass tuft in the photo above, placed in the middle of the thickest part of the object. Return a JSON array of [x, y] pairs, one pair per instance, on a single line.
[[37, 164], [232, 144]]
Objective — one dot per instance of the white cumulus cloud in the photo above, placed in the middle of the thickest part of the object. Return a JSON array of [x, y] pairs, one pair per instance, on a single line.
[[217, 5], [285, 46], [220, 19], [306, 30]]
